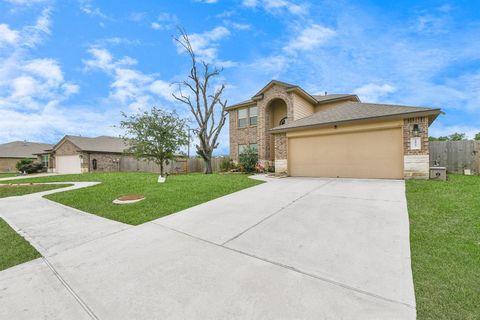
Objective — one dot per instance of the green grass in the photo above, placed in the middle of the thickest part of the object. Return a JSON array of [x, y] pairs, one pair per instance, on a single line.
[[161, 199], [445, 242], [7, 174], [13, 248], [14, 190]]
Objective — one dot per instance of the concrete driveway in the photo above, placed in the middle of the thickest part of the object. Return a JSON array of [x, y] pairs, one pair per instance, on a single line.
[[294, 248]]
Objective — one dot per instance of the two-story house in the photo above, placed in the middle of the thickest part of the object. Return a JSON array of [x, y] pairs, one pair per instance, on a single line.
[[331, 135]]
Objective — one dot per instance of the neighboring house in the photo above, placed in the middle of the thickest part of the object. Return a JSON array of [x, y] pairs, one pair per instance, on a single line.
[[74, 154], [12, 152], [332, 135]]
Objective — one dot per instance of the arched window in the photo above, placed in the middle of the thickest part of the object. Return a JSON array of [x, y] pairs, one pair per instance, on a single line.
[[283, 121], [94, 164]]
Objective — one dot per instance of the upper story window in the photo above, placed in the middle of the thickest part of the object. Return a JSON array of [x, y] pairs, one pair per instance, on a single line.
[[242, 117], [253, 116], [283, 121]]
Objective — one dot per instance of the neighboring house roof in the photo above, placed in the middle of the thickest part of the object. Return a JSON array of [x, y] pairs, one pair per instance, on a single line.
[[97, 144], [22, 149], [355, 111]]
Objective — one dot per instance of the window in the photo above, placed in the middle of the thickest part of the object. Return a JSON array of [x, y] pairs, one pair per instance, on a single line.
[[254, 147], [283, 121], [94, 164], [242, 118], [45, 160], [253, 116], [241, 148]]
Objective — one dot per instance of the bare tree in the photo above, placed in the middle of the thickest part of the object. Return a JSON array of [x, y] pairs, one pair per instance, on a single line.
[[204, 102]]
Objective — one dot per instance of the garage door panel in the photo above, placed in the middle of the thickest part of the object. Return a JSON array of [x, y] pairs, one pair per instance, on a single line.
[[369, 154], [68, 164]]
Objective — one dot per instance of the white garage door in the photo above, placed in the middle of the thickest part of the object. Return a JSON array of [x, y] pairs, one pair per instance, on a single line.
[[68, 164]]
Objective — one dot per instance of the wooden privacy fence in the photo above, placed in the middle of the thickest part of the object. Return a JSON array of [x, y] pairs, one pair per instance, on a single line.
[[193, 165], [456, 155]]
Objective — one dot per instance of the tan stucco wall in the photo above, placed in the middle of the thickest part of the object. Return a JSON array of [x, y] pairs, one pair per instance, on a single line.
[[367, 126], [279, 111]]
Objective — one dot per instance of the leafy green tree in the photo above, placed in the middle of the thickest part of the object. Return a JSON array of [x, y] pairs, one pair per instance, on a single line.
[[457, 136], [453, 137], [20, 164], [155, 135], [477, 136], [248, 159]]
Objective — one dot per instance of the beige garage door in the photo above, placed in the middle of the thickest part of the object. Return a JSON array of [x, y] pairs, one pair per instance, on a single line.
[[68, 164], [367, 154]]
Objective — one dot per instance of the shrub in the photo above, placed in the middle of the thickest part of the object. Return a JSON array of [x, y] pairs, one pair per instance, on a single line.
[[33, 167], [226, 164], [22, 163], [248, 159]]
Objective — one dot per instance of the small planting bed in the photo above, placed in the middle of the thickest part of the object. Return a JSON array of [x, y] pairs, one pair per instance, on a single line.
[[133, 198]]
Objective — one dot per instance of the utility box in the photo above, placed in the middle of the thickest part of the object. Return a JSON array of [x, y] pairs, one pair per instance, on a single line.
[[438, 173]]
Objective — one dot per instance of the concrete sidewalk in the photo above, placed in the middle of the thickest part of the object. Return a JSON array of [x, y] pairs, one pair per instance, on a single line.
[[294, 248]]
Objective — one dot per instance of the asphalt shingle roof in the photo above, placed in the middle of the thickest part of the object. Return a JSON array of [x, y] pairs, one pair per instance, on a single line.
[[321, 98], [348, 111], [99, 144], [22, 149]]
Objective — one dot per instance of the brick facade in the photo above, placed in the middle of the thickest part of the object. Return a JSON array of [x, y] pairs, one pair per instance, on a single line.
[[416, 162], [259, 134], [105, 161], [108, 162], [246, 135]]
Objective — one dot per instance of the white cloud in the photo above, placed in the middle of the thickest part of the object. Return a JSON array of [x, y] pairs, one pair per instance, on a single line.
[[33, 90], [130, 87], [374, 92], [309, 38], [165, 21], [25, 2], [276, 6], [206, 44], [87, 7], [7, 35]]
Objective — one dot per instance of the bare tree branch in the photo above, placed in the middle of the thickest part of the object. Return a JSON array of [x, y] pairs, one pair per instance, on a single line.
[[205, 105]]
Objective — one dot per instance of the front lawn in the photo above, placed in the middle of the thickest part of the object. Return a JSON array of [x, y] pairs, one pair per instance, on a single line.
[[14, 249], [20, 190], [178, 193], [445, 243], [7, 174]]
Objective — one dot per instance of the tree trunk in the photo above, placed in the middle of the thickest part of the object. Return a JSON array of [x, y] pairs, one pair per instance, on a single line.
[[161, 168], [208, 165]]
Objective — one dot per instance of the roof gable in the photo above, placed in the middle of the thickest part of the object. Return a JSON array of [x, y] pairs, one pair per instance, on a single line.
[[271, 84]]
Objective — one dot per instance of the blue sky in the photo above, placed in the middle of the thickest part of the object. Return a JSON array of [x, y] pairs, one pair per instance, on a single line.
[[71, 67]]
